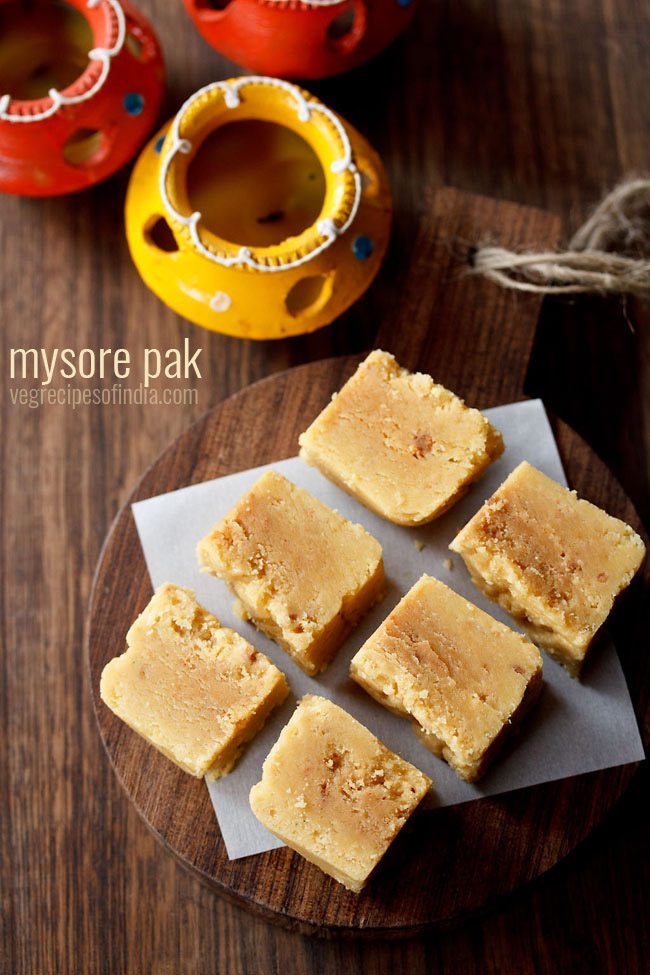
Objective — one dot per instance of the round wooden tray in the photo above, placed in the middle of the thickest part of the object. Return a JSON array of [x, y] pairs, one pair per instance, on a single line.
[[447, 862]]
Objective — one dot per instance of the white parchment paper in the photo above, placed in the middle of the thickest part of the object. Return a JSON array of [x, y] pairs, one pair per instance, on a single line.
[[576, 727]]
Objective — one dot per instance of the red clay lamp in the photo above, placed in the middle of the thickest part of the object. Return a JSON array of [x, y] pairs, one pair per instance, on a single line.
[[300, 38], [80, 88]]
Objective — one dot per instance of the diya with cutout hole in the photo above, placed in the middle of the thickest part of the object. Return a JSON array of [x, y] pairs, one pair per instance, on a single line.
[[300, 38], [257, 211], [80, 89]]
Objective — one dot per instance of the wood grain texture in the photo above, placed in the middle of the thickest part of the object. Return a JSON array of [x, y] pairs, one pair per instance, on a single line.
[[485, 849], [540, 101]]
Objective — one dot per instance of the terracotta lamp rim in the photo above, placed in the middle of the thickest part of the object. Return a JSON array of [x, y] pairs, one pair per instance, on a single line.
[[304, 3], [284, 4], [107, 22]]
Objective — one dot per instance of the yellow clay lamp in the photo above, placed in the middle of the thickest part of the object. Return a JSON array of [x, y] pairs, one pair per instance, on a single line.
[[257, 211]]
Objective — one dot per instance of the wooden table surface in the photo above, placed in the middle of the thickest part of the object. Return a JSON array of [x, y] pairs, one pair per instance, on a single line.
[[540, 101]]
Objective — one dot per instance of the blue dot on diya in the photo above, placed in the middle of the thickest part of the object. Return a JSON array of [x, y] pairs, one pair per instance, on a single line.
[[362, 247], [133, 103], [159, 144]]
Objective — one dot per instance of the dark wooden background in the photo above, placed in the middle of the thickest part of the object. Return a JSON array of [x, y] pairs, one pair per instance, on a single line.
[[540, 101]]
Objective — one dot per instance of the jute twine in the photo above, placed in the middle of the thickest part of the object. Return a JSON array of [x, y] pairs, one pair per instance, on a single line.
[[609, 254]]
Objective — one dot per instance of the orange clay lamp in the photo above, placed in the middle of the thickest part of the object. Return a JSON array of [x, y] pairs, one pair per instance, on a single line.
[[258, 212], [300, 38], [80, 89]]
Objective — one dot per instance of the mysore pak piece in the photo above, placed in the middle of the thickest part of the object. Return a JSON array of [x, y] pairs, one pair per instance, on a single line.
[[334, 793], [464, 678], [399, 443], [195, 690], [302, 573], [555, 562]]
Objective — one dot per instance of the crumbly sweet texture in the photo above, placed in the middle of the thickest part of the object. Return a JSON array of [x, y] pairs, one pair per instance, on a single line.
[[194, 689], [555, 562], [463, 677], [334, 793], [400, 443], [301, 572]]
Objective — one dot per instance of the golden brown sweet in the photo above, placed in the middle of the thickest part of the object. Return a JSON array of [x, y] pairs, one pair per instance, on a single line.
[[555, 562], [401, 444], [460, 675], [331, 791], [194, 689], [302, 573]]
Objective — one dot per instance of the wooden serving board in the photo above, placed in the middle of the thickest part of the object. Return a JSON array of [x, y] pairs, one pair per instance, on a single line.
[[476, 339]]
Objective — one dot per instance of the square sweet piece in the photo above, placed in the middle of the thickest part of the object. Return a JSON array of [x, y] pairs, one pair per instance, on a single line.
[[303, 574], [556, 563], [333, 793], [401, 444], [197, 691], [464, 678]]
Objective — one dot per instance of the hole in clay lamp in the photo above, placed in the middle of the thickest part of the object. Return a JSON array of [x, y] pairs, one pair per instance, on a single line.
[[256, 183], [272, 217], [345, 31], [83, 147], [41, 49], [159, 234], [212, 4], [309, 295], [134, 45]]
